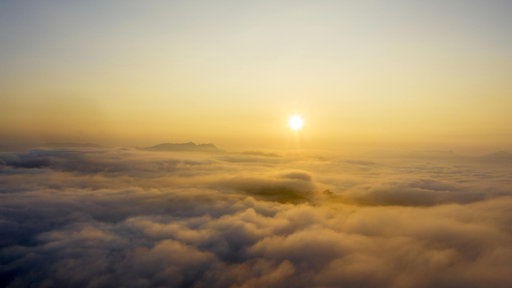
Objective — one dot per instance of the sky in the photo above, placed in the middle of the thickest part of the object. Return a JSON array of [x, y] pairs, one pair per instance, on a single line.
[[398, 73]]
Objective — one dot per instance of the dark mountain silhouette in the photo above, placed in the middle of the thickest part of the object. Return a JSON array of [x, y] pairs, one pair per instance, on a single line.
[[418, 154], [189, 146], [70, 145]]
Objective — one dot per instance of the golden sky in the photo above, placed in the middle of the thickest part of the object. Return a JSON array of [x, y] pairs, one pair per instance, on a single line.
[[429, 73]]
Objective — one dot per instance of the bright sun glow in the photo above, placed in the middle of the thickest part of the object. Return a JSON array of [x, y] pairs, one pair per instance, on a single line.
[[295, 122]]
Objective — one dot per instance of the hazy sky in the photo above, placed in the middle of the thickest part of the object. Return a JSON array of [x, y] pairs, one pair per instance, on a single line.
[[232, 72]]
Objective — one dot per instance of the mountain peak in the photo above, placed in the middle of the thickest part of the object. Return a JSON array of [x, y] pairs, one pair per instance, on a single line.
[[188, 146], [499, 156]]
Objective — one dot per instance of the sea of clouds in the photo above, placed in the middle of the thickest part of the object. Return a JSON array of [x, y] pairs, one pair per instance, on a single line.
[[105, 217]]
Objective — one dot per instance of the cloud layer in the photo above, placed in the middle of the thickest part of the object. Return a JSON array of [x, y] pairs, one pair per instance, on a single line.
[[128, 218]]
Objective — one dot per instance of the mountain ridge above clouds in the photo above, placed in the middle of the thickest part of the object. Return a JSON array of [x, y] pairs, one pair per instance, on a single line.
[[188, 146], [500, 156], [19, 147], [71, 145], [497, 157]]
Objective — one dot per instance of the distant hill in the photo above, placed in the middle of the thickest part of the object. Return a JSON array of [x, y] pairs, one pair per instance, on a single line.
[[497, 157], [70, 145], [426, 155], [19, 147], [442, 154], [189, 146]]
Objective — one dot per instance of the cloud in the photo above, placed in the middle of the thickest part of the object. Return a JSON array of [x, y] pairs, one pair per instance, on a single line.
[[104, 217], [413, 192]]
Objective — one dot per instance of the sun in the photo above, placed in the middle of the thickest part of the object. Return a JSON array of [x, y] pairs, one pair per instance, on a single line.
[[295, 122]]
